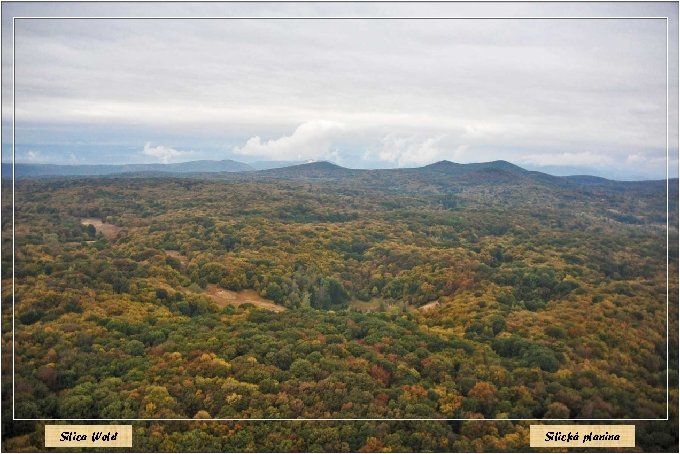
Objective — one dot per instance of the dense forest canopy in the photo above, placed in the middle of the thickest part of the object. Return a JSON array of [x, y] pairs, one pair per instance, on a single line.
[[320, 292]]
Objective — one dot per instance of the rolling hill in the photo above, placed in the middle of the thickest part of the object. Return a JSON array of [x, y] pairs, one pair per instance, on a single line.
[[34, 170]]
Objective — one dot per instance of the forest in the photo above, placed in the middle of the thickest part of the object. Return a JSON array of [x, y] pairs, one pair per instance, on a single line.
[[461, 293]]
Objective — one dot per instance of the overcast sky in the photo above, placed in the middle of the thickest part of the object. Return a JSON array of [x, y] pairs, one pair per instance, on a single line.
[[562, 95]]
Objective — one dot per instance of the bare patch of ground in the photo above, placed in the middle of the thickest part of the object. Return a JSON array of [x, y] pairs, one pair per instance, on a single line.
[[108, 230], [429, 306], [226, 297]]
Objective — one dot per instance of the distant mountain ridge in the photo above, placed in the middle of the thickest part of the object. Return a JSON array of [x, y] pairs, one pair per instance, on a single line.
[[438, 172], [314, 170], [226, 165], [500, 178], [454, 168], [265, 165], [32, 170]]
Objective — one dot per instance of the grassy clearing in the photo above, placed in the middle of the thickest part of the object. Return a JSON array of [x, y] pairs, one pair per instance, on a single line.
[[226, 297], [108, 230]]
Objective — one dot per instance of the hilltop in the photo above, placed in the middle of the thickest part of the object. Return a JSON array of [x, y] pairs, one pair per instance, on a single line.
[[487, 172]]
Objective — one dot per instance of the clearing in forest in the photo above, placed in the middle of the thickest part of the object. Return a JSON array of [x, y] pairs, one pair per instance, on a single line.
[[226, 297], [108, 230], [376, 305], [429, 306]]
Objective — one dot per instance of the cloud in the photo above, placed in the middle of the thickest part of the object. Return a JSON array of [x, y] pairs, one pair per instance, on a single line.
[[638, 165], [651, 165], [416, 151], [165, 154], [504, 88], [584, 158], [310, 140], [34, 156], [642, 159]]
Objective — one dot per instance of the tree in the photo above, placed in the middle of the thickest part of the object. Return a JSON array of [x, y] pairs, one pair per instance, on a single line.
[[557, 410], [484, 394]]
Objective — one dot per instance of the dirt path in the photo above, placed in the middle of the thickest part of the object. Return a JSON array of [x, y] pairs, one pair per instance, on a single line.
[[226, 297], [108, 230]]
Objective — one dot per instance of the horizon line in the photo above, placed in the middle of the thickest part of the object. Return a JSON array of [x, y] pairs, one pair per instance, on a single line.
[[308, 162]]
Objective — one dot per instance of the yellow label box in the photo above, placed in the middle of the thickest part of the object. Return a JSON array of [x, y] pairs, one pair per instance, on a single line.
[[88, 436], [582, 436]]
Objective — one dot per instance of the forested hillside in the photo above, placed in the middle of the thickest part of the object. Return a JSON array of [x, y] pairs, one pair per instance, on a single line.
[[320, 292]]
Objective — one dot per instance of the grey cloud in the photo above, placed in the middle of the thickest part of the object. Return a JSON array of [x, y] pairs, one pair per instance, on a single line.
[[520, 87], [166, 154]]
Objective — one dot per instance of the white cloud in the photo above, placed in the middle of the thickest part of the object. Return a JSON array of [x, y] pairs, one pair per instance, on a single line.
[[40, 157], [583, 158], [165, 154], [416, 151], [310, 140], [639, 159], [651, 166], [34, 156], [635, 166]]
